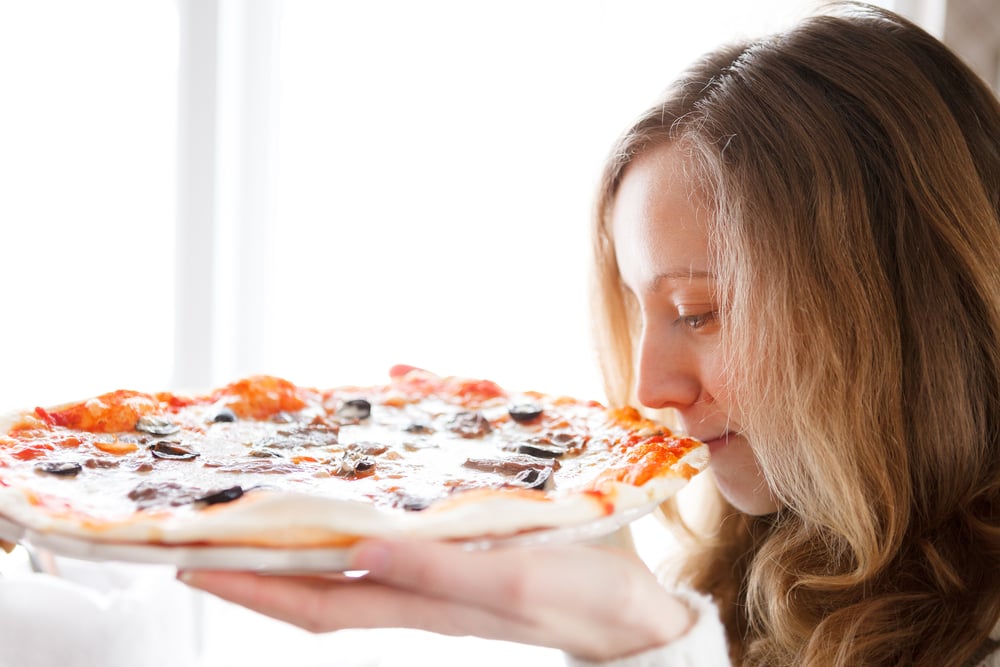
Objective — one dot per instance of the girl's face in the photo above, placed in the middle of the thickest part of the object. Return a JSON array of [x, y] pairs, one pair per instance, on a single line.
[[661, 240]]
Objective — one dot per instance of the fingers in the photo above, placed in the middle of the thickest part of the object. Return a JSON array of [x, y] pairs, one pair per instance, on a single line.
[[586, 600], [291, 599], [321, 604], [434, 569], [446, 571], [516, 583]]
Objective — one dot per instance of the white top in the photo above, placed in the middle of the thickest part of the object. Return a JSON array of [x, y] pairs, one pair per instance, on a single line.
[[703, 645]]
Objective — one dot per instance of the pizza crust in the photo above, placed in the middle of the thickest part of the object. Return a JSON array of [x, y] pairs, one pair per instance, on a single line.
[[289, 519]]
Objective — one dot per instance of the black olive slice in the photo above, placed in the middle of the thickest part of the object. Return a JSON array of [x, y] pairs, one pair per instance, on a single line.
[[525, 412], [534, 478], [224, 496], [541, 450], [165, 449], [356, 408], [59, 468], [355, 465], [224, 415], [419, 428], [156, 425], [414, 503]]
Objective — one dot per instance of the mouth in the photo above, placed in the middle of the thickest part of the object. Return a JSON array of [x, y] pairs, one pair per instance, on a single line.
[[715, 444]]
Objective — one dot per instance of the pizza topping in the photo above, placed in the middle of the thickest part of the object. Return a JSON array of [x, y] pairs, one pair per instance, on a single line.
[[264, 454], [116, 446], [355, 410], [418, 383], [304, 436], [473, 392], [417, 445], [31, 452], [519, 471], [329, 430], [413, 503], [534, 478], [225, 415], [355, 465], [470, 424], [168, 449], [510, 465], [368, 448], [149, 495], [102, 463], [224, 496], [113, 412], [283, 417], [261, 397], [525, 412], [156, 425], [263, 466], [419, 428], [59, 468], [541, 447], [287, 443]]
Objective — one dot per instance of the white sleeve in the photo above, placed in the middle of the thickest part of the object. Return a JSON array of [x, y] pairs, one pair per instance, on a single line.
[[703, 645]]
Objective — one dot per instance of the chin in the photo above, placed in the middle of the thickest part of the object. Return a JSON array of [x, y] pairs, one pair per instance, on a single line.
[[756, 502], [741, 481]]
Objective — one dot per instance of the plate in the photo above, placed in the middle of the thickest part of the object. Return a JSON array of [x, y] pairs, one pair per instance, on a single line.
[[287, 560], [183, 557]]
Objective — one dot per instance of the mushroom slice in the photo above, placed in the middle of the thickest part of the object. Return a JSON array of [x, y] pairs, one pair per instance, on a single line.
[[156, 425]]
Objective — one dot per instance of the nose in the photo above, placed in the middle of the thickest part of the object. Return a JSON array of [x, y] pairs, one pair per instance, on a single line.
[[667, 370]]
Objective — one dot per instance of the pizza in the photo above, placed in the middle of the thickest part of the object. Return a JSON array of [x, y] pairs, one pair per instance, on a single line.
[[263, 462]]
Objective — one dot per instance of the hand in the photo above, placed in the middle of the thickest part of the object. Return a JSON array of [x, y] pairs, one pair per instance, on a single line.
[[593, 602]]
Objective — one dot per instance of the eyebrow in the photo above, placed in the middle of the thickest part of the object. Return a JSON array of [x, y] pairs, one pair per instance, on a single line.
[[661, 278]]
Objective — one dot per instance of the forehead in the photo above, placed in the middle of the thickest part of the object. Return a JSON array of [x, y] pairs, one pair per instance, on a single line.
[[658, 220]]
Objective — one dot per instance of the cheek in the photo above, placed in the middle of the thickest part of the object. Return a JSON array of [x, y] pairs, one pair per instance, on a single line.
[[725, 380], [717, 380]]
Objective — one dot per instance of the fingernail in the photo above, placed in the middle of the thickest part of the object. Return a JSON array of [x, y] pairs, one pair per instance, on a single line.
[[371, 556], [185, 576]]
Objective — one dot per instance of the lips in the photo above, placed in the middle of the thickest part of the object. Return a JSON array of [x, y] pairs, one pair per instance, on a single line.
[[717, 443]]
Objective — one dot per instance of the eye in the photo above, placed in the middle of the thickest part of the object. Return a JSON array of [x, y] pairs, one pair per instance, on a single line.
[[698, 322]]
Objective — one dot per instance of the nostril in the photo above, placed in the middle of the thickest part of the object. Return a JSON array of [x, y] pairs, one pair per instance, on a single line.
[[667, 390]]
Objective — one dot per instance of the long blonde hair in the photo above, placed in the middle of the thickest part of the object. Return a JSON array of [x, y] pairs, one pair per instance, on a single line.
[[853, 163]]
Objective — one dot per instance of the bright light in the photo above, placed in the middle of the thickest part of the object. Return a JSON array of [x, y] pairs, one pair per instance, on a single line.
[[87, 263], [437, 169]]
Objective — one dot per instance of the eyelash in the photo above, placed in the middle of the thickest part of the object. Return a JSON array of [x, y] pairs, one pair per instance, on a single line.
[[699, 321]]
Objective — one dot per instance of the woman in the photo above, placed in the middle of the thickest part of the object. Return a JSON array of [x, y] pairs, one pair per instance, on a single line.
[[797, 256]]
